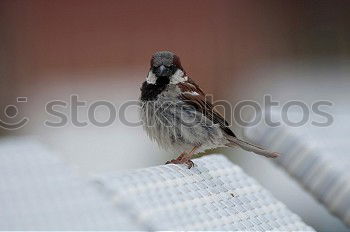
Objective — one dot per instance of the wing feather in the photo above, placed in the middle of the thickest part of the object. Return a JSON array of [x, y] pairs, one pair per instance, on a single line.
[[194, 96]]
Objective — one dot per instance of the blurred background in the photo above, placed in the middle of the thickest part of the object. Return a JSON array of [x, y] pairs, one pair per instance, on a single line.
[[237, 50]]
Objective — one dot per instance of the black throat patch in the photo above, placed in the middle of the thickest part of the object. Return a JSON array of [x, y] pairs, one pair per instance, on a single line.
[[149, 92]]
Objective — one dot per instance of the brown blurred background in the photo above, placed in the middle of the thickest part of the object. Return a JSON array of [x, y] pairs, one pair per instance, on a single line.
[[239, 49], [216, 40]]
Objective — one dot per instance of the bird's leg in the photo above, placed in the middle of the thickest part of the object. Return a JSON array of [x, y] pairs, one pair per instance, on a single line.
[[187, 158], [184, 158], [177, 160]]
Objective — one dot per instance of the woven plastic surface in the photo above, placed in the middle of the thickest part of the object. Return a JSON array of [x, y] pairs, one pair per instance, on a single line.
[[39, 192], [214, 195], [318, 157]]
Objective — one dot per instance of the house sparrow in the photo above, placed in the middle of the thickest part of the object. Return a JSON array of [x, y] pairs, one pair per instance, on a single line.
[[177, 116]]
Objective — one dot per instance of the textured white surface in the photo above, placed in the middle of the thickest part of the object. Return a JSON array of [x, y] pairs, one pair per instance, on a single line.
[[318, 157], [214, 195], [39, 192]]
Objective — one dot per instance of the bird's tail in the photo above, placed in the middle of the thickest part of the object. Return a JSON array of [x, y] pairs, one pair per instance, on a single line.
[[251, 147]]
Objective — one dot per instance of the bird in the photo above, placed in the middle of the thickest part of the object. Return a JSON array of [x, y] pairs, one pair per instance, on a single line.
[[176, 114]]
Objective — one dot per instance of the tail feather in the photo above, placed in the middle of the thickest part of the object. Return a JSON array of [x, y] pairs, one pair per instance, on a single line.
[[252, 148]]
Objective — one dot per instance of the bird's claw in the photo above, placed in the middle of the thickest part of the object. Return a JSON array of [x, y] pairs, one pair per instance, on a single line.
[[189, 164], [182, 159]]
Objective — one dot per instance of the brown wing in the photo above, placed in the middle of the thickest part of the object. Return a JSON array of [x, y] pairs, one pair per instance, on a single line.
[[193, 95]]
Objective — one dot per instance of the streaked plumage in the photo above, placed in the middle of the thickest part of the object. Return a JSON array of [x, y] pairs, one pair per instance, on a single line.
[[177, 116]]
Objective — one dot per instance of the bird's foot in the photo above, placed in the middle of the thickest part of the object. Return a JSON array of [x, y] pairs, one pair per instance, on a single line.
[[182, 159]]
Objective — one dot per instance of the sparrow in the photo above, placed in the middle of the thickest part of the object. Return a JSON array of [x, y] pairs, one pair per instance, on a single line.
[[176, 114]]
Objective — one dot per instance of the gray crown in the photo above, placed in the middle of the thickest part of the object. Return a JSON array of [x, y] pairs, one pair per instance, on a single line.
[[162, 58]]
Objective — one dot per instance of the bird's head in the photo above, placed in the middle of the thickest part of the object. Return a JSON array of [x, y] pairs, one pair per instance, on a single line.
[[165, 67]]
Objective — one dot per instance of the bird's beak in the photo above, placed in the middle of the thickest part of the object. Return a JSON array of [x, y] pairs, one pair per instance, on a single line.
[[162, 71]]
